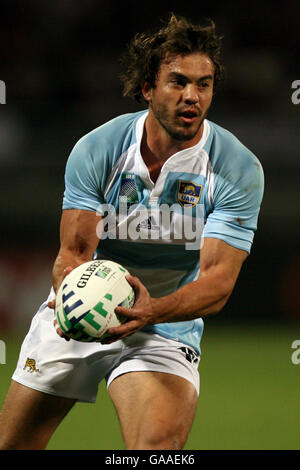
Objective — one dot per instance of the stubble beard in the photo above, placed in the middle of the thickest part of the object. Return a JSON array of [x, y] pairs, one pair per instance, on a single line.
[[181, 134]]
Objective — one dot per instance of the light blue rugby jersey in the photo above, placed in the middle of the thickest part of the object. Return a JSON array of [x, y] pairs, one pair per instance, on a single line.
[[217, 184]]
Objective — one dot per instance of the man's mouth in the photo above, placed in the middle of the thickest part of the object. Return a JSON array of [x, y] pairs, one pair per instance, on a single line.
[[188, 116]]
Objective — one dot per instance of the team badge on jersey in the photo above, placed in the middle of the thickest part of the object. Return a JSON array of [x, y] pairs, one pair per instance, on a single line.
[[189, 193]]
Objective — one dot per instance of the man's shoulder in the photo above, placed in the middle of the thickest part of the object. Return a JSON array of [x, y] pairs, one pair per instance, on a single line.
[[232, 162], [117, 132], [224, 148]]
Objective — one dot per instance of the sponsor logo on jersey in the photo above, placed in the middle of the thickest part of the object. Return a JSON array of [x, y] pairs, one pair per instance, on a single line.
[[148, 224], [188, 194], [30, 363], [128, 192]]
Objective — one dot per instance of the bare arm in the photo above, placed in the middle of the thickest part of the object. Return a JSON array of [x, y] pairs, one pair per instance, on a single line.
[[220, 265], [78, 242]]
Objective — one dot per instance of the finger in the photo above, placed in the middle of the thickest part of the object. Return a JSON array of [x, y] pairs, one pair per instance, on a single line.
[[113, 338], [135, 283], [127, 328], [67, 270], [126, 312], [59, 331], [51, 303], [115, 333], [109, 341]]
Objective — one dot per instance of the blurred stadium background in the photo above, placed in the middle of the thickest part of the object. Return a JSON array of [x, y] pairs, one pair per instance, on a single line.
[[60, 63]]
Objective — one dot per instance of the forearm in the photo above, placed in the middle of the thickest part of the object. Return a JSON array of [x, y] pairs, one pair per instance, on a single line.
[[78, 242], [205, 296], [66, 258], [219, 268]]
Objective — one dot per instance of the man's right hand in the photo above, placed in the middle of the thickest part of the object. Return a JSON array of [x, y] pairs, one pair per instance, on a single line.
[[51, 304]]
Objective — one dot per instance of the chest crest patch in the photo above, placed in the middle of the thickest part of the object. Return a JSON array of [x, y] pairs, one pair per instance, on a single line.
[[188, 194]]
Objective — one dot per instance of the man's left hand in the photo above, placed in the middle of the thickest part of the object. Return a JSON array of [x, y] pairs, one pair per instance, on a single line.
[[140, 315]]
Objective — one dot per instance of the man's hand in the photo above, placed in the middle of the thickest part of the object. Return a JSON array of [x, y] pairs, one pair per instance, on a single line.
[[140, 315], [52, 303]]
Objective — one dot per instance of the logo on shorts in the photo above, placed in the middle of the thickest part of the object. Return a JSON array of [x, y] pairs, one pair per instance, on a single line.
[[30, 363], [190, 355]]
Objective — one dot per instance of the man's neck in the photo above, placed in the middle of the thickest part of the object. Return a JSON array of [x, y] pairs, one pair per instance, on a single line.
[[157, 145]]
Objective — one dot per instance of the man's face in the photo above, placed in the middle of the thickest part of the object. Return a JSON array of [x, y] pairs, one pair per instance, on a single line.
[[183, 94]]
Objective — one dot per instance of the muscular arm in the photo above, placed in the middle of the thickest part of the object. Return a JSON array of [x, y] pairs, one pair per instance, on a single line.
[[78, 241], [220, 265]]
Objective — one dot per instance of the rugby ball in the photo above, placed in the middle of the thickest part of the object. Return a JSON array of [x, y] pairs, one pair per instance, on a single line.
[[87, 298]]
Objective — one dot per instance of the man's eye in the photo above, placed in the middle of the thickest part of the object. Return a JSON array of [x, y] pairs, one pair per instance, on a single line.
[[178, 82]]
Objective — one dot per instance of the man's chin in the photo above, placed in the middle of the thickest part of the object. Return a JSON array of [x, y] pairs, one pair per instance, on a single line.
[[187, 131], [186, 134], [181, 131]]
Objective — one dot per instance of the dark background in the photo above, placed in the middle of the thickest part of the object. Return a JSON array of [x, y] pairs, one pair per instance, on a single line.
[[60, 63]]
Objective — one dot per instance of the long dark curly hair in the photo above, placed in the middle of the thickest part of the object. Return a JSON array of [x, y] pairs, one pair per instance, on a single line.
[[145, 53]]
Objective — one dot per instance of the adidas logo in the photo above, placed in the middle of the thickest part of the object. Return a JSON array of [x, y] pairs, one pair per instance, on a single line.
[[148, 224]]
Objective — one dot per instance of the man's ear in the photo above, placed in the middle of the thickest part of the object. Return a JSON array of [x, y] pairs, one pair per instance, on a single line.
[[147, 92]]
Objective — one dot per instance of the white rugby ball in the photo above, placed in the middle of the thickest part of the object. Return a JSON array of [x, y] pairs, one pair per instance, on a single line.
[[87, 298]]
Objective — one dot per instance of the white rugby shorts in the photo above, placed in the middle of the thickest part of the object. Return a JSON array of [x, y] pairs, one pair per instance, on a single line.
[[72, 369]]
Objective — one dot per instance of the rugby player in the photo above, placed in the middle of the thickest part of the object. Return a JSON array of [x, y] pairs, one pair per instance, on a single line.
[[169, 155]]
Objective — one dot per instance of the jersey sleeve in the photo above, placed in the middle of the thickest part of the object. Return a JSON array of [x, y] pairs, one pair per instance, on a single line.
[[82, 184], [238, 192]]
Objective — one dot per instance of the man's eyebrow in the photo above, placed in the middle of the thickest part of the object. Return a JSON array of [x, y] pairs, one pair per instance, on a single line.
[[206, 77], [184, 77]]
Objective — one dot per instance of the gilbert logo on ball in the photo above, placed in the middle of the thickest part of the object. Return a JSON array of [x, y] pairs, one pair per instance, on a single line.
[[87, 298]]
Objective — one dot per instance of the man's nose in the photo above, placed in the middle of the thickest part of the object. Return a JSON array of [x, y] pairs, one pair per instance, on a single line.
[[190, 94]]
